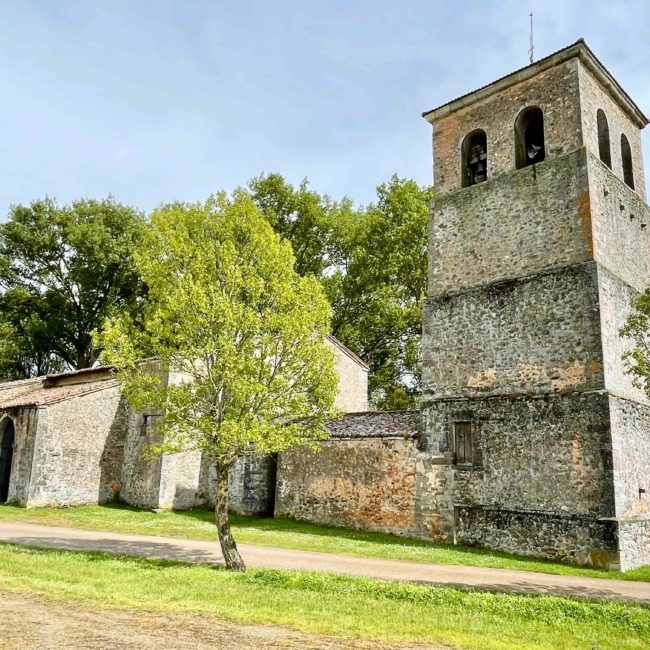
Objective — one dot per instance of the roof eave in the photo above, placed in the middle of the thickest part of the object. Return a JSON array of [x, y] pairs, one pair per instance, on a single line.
[[578, 50]]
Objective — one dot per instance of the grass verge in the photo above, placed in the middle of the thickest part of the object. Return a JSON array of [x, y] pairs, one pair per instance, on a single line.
[[290, 534], [328, 604]]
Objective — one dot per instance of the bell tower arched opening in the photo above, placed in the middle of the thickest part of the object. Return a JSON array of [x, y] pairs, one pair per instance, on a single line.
[[474, 153], [529, 137], [604, 149]]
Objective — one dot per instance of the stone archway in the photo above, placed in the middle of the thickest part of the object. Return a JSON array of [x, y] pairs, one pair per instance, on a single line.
[[7, 436]]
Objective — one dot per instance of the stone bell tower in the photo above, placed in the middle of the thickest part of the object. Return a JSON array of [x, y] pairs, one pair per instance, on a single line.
[[539, 238]]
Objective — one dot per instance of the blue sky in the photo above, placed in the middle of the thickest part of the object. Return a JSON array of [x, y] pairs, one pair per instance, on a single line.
[[172, 100]]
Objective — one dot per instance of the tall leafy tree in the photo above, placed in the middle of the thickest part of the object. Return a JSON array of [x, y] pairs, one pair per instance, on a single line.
[[637, 328], [227, 310], [63, 270], [378, 296], [372, 262], [303, 217], [23, 320]]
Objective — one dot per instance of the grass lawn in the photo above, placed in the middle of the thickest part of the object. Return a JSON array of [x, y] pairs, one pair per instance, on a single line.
[[329, 604], [286, 533]]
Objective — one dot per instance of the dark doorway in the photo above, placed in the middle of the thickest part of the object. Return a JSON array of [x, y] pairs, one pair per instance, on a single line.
[[6, 456]]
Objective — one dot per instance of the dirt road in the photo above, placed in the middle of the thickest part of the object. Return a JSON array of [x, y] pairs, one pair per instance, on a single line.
[[31, 623]]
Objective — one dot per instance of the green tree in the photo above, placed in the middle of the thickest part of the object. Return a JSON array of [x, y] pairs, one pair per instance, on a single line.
[[63, 271], [226, 310], [377, 296], [372, 262], [9, 350], [308, 220], [637, 327]]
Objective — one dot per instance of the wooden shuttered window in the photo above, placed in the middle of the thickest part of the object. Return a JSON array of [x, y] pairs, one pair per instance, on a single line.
[[463, 443]]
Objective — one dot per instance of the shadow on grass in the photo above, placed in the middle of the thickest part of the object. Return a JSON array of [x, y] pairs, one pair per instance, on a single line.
[[278, 525], [312, 533]]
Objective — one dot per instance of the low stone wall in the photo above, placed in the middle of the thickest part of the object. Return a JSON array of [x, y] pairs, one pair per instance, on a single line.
[[566, 538], [364, 483], [364, 477]]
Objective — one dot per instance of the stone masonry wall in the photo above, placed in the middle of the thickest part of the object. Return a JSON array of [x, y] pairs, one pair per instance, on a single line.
[[78, 458], [575, 539], [141, 474], [620, 221], [362, 483], [631, 451], [179, 480], [615, 306], [634, 543], [593, 97], [251, 487], [549, 454], [555, 91], [539, 334], [352, 395], [511, 226], [552, 466]]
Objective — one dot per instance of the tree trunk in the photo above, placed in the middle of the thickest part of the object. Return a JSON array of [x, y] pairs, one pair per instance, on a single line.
[[229, 550]]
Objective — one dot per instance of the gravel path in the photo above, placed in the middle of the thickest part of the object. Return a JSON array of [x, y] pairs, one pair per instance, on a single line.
[[259, 556]]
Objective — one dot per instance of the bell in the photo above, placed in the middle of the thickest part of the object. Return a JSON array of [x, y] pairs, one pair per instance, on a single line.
[[533, 151]]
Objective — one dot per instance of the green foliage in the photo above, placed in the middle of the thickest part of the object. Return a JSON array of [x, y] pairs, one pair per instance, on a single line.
[[301, 216], [9, 350], [378, 300], [242, 334], [637, 327], [372, 262], [63, 271]]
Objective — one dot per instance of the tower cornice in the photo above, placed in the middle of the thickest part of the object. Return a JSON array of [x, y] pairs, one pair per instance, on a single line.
[[579, 50]]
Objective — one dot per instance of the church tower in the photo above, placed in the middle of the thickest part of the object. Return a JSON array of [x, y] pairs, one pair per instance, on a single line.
[[539, 239]]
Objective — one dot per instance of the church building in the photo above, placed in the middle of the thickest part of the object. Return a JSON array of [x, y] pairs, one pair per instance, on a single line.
[[531, 438]]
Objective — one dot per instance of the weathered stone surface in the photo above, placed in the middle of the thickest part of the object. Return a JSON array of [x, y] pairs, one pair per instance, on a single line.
[[555, 91], [594, 96], [531, 276], [75, 464], [551, 453], [352, 394], [364, 483], [537, 334], [567, 538], [511, 226]]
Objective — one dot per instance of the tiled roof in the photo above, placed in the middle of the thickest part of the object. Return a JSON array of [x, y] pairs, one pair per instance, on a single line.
[[376, 424], [36, 394]]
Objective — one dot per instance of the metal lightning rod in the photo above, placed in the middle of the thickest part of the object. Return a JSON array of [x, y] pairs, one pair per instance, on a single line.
[[531, 51]]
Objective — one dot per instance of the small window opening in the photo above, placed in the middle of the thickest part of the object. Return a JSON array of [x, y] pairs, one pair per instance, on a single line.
[[604, 150], [474, 158], [626, 159], [529, 136], [463, 443]]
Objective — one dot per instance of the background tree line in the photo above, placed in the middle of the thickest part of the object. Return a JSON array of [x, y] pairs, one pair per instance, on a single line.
[[65, 270]]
